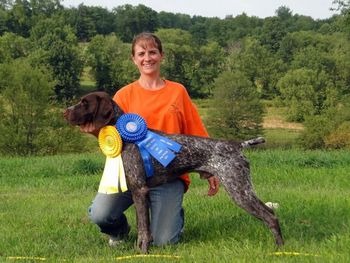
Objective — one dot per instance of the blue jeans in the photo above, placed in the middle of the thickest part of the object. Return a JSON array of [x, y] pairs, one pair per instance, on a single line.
[[166, 212]]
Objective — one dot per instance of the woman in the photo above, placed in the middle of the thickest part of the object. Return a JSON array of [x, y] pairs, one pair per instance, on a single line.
[[166, 106]]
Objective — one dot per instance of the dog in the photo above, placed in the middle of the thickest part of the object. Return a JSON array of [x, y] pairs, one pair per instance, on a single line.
[[210, 157]]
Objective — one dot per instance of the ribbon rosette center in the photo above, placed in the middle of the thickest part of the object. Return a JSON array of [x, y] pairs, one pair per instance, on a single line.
[[131, 126]]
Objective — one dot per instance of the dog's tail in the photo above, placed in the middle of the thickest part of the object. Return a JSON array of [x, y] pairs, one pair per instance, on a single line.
[[252, 142]]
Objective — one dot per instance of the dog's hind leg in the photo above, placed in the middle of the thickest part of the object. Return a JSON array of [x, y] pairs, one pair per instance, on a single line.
[[253, 205], [237, 184]]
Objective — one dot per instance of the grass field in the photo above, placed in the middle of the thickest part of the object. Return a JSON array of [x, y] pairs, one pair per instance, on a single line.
[[44, 201]]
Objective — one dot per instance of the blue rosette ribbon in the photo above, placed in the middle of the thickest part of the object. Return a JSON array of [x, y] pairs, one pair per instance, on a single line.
[[133, 129]]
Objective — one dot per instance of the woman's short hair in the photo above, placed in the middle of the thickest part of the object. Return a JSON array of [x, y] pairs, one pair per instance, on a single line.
[[144, 38]]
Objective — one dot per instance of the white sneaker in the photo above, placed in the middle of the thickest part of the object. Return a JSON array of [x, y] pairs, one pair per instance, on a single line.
[[271, 205], [116, 241]]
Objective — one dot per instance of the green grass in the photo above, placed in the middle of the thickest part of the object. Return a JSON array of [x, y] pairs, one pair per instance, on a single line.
[[87, 82], [281, 138], [44, 201]]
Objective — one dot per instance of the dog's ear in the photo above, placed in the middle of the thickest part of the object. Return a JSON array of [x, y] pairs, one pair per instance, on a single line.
[[104, 113]]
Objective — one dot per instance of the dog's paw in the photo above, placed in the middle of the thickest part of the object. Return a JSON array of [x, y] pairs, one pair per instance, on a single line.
[[272, 205]]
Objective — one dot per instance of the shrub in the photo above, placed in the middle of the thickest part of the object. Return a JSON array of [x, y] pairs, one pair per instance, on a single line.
[[340, 137], [316, 128], [236, 111], [330, 129], [30, 123]]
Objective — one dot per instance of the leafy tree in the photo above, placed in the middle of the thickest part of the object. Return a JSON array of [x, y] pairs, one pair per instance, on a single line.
[[99, 58], [103, 20], [305, 92], [31, 123], [217, 30], [304, 23], [88, 21], [184, 21], [276, 28], [236, 111], [13, 46], [178, 56], [241, 26], [328, 53], [344, 7], [174, 36], [195, 67], [171, 20], [261, 66], [315, 59], [167, 20], [85, 27], [41, 9], [284, 12], [206, 68], [292, 43], [19, 20], [130, 20], [3, 19], [58, 48], [26, 97], [199, 33], [341, 57], [110, 63], [272, 33], [123, 68], [45, 8], [22, 15], [325, 29]]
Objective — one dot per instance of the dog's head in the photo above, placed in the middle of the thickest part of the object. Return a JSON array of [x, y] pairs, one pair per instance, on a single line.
[[96, 108]]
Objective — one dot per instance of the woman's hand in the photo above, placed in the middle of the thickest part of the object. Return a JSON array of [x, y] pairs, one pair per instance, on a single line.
[[213, 185], [89, 127]]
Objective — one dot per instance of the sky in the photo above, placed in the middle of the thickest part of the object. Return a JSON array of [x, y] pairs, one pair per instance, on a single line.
[[317, 9]]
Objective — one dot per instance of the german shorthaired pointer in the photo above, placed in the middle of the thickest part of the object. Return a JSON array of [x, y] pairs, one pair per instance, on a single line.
[[222, 158]]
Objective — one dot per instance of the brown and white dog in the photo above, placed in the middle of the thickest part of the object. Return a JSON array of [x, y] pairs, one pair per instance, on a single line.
[[222, 158]]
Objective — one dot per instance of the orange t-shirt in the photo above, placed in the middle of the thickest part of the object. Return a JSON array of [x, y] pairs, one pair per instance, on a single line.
[[168, 109]]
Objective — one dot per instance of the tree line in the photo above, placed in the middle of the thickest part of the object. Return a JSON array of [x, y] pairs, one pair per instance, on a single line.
[[289, 59]]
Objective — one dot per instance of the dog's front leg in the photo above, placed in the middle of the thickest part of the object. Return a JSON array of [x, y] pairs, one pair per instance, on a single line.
[[136, 180], [144, 237]]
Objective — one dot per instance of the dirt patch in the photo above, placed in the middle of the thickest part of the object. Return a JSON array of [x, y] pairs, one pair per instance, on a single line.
[[276, 123], [274, 120]]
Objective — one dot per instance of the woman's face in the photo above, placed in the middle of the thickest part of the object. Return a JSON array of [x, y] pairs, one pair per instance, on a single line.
[[147, 58]]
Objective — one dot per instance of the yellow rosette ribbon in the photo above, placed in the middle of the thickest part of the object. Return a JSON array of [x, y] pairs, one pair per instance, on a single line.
[[113, 176]]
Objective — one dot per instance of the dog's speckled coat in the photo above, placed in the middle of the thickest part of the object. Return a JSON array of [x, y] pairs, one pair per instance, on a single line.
[[221, 158]]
